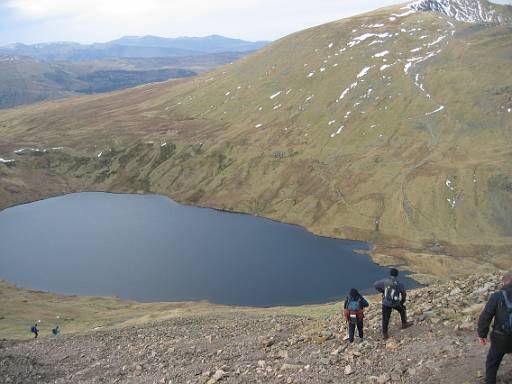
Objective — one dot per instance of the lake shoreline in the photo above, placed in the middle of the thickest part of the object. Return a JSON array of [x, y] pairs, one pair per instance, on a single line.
[[267, 254], [82, 314], [362, 251], [407, 257]]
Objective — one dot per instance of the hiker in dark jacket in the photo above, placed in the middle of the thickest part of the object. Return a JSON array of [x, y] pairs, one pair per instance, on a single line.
[[393, 297], [34, 330], [499, 308], [354, 315]]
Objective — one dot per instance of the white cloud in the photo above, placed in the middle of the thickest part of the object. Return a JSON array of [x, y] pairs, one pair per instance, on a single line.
[[102, 20], [178, 8], [45, 8], [133, 8]]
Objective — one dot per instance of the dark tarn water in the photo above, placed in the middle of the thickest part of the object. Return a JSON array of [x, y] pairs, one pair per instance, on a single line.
[[150, 248]]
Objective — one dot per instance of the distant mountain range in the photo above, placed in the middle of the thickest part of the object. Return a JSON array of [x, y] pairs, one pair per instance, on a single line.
[[32, 73], [133, 46]]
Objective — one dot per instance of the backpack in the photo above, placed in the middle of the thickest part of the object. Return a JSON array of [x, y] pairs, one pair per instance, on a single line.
[[33, 329], [354, 310], [507, 326], [393, 294]]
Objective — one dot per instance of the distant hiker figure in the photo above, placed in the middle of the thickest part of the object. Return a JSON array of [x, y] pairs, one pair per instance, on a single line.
[[354, 313], [393, 297], [499, 308], [35, 331], [56, 331]]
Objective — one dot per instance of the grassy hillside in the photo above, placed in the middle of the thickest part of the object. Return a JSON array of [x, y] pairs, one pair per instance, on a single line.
[[199, 64], [24, 80], [392, 127], [21, 308]]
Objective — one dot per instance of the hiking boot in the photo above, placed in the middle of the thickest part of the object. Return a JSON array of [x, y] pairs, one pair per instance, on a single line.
[[385, 336], [407, 325]]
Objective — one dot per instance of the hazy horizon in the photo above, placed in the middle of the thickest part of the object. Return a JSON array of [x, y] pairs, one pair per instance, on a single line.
[[127, 36], [89, 21]]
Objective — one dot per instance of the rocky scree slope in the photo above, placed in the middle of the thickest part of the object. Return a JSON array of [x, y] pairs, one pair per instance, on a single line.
[[250, 348], [391, 127], [473, 11]]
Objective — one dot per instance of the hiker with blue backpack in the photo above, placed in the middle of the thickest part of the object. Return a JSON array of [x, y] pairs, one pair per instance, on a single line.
[[499, 308], [35, 331], [354, 307], [394, 296]]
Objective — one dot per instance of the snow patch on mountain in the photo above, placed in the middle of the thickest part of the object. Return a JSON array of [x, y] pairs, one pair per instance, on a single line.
[[441, 107], [343, 94], [418, 81], [438, 40], [381, 54], [275, 95], [7, 161], [363, 72], [469, 11], [334, 134], [403, 14], [359, 39]]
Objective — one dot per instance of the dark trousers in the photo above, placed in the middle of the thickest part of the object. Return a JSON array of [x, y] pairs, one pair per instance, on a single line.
[[386, 315], [492, 364], [352, 330]]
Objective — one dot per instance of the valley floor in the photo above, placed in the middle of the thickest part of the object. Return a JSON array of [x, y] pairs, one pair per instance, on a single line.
[[266, 347]]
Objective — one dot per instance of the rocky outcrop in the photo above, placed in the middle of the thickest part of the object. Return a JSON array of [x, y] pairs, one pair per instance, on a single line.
[[471, 11], [8, 162], [263, 348]]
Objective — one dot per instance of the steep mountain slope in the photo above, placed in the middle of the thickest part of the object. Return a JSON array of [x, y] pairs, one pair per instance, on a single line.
[[392, 127], [473, 11]]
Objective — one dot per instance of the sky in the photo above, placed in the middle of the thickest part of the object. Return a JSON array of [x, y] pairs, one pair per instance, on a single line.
[[86, 21]]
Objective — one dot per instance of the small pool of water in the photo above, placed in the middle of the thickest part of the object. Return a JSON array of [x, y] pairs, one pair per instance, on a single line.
[[150, 248]]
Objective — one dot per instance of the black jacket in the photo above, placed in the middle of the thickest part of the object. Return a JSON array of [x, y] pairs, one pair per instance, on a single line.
[[497, 310]]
